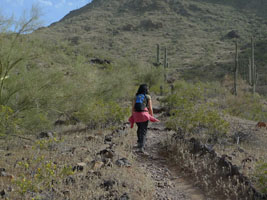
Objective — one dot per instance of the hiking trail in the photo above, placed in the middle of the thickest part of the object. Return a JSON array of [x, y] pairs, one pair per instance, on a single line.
[[170, 185]]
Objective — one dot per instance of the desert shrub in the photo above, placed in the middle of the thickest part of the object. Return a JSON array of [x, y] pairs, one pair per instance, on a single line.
[[38, 175], [150, 75], [261, 176], [99, 113], [189, 111], [246, 106], [8, 123]]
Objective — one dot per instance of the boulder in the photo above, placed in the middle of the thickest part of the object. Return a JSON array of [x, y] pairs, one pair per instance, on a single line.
[[125, 196], [107, 153], [233, 34], [108, 184], [96, 165], [3, 193], [100, 61], [123, 162], [79, 166], [44, 134]]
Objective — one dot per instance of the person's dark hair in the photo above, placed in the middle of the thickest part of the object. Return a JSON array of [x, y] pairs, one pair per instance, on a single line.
[[143, 89]]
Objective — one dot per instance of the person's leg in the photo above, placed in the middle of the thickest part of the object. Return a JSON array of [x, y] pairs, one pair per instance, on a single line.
[[141, 133]]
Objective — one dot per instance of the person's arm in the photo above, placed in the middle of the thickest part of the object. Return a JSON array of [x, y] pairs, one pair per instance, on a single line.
[[150, 108]]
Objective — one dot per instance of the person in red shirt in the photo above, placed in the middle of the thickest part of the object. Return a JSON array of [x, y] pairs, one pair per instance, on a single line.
[[142, 112]]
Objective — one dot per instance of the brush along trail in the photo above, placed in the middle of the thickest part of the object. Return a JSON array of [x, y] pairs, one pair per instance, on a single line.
[[168, 183]]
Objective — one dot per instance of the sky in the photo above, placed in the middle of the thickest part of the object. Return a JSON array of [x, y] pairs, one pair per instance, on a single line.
[[52, 10]]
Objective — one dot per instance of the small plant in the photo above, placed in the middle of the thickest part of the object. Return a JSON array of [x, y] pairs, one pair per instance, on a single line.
[[261, 176], [7, 122], [39, 174], [44, 144]]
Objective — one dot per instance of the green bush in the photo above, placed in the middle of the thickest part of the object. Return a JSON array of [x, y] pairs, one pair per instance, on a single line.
[[38, 175], [261, 176], [247, 106], [98, 113], [189, 111], [8, 124]]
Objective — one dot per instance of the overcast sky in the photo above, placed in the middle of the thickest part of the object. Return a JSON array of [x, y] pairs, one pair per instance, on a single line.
[[53, 10]]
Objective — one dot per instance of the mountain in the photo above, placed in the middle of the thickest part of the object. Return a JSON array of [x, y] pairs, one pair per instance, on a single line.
[[198, 34]]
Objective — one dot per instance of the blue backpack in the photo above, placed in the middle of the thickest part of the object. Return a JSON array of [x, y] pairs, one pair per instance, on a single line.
[[140, 103]]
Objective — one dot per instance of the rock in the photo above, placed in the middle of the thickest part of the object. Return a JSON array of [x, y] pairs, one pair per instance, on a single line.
[[160, 184], [60, 122], [69, 180], [157, 110], [89, 138], [107, 153], [26, 147], [3, 174], [125, 196], [97, 165], [66, 192], [107, 162], [233, 34], [197, 146], [79, 167], [3, 193], [66, 119], [2, 169], [123, 162], [108, 138], [100, 61], [149, 25], [91, 174], [43, 134], [209, 147], [241, 150], [108, 185], [6, 175], [128, 27]]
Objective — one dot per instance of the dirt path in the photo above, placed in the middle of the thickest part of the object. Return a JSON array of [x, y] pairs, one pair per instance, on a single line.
[[169, 185]]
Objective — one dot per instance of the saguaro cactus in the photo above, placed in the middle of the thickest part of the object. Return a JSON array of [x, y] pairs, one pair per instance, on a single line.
[[157, 61], [165, 58], [249, 72], [253, 67], [236, 68]]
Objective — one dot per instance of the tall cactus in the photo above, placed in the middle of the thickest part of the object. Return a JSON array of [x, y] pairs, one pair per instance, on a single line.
[[253, 67], [157, 61], [165, 58], [249, 72], [236, 68]]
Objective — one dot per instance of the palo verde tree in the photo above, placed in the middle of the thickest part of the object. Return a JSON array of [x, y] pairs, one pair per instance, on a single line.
[[13, 51]]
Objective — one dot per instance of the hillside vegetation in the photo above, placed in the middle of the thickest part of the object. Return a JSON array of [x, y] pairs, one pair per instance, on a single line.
[[194, 32]]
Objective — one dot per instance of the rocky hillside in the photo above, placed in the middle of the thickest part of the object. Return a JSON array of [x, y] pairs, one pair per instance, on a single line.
[[196, 33]]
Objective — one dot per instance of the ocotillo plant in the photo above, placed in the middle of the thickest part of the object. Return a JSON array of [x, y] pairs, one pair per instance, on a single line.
[[236, 68]]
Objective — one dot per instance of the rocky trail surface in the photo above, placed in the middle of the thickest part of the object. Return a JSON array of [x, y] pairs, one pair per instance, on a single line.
[[169, 184]]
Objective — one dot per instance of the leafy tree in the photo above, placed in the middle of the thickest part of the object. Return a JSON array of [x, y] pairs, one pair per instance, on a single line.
[[12, 46]]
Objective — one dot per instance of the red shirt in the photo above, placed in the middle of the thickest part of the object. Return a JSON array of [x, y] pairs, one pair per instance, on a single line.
[[141, 117]]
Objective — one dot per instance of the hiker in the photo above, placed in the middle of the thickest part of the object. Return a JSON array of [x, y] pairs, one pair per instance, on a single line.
[[142, 112]]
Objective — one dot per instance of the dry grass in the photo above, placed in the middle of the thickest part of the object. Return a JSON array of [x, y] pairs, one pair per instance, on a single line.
[[71, 149]]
